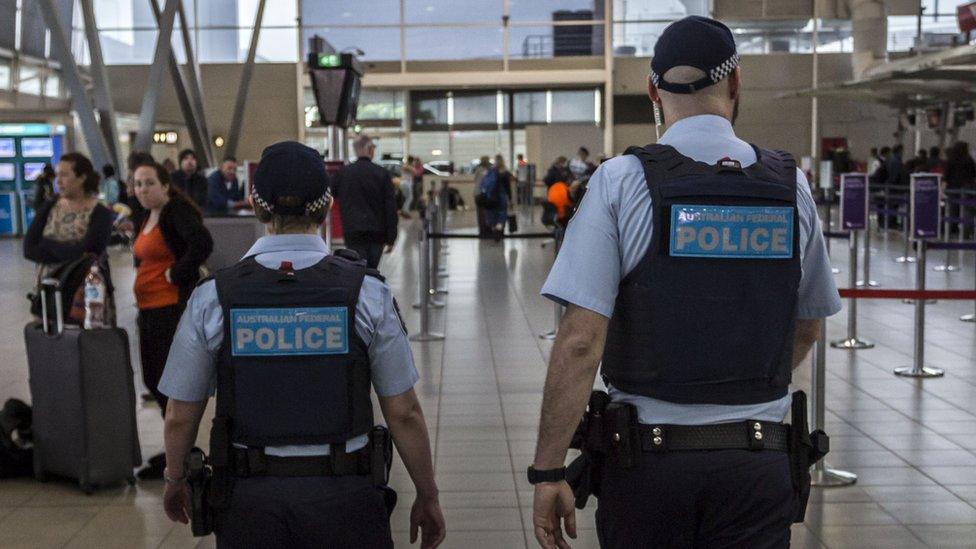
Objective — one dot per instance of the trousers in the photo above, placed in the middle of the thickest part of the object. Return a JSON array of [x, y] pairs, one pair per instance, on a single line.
[[713, 499], [304, 512]]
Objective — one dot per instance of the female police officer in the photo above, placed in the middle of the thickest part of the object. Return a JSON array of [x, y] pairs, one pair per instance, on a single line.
[[290, 339], [696, 272]]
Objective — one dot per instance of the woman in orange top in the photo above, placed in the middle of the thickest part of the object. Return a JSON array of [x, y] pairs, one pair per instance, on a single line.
[[171, 245]]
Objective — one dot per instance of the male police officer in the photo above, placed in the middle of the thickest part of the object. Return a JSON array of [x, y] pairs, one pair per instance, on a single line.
[[290, 338], [696, 270]]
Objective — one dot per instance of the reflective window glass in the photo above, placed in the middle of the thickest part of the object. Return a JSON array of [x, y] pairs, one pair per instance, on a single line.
[[453, 11], [351, 12], [481, 108], [573, 106], [380, 105], [376, 43], [429, 109], [437, 43], [555, 41], [4, 75], [530, 107], [545, 10]]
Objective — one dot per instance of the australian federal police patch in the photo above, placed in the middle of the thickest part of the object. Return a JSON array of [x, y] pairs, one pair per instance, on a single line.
[[289, 331], [731, 232]]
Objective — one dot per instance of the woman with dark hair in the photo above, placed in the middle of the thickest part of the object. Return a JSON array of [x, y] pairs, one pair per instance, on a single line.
[[71, 225], [170, 247]]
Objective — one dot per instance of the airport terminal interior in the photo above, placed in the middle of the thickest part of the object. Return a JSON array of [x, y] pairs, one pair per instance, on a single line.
[[441, 86]]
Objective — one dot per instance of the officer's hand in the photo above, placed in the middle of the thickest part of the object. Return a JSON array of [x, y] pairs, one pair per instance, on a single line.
[[426, 515], [553, 503], [388, 249], [176, 501]]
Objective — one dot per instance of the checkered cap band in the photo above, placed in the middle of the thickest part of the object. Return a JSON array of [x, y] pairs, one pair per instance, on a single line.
[[726, 68], [310, 208]]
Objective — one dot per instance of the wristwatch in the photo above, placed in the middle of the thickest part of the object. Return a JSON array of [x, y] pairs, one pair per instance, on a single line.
[[550, 475]]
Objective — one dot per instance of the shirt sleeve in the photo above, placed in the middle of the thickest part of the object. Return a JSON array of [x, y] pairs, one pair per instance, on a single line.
[[191, 373], [818, 297], [587, 270], [378, 323]]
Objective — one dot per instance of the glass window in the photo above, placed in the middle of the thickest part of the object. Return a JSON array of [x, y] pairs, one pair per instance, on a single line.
[[636, 38], [430, 145], [436, 43], [658, 10], [52, 86], [530, 107], [377, 43], [29, 81], [574, 106], [555, 41], [4, 75], [544, 10], [453, 11], [429, 109], [380, 105], [275, 46], [128, 47], [277, 13], [480, 108], [222, 46], [351, 12]]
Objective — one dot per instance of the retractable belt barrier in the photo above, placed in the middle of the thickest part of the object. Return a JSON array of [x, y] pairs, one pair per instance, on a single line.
[[558, 234], [955, 203]]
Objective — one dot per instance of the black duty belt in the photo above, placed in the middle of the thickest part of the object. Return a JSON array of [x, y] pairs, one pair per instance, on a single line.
[[253, 462], [745, 435]]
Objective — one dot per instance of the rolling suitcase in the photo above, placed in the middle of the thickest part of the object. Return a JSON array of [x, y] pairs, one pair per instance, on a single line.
[[83, 397]]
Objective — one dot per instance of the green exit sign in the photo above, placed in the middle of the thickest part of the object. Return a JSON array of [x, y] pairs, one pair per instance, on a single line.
[[329, 60]]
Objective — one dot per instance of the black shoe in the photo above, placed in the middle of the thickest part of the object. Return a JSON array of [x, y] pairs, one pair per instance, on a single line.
[[154, 469]]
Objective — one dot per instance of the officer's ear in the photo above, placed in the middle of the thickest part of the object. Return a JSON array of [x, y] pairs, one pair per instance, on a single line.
[[735, 83], [652, 91]]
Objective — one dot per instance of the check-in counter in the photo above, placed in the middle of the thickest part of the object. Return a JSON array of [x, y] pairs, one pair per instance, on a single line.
[[233, 235]]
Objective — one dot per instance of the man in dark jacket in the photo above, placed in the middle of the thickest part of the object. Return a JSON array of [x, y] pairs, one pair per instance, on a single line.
[[367, 202], [189, 179], [225, 193]]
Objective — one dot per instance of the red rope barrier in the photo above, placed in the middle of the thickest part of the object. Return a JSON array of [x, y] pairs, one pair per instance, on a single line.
[[907, 294]]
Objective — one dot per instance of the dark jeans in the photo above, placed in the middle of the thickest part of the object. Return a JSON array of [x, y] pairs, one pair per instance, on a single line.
[[721, 498], [319, 512], [157, 327], [368, 250]]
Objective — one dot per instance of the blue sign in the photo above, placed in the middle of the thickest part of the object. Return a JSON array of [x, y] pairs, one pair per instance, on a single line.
[[289, 332], [30, 129], [854, 201], [733, 232], [8, 213], [924, 205], [7, 148], [36, 147]]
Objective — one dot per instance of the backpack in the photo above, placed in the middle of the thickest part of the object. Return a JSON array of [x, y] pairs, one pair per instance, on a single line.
[[16, 452], [487, 197]]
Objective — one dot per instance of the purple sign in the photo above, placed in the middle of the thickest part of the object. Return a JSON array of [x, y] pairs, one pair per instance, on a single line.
[[926, 193], [854, 201]]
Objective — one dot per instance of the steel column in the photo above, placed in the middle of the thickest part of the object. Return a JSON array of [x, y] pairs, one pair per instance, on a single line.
[[103, 90], [194, 90], [150, 101], [80, 101], [238, 118]]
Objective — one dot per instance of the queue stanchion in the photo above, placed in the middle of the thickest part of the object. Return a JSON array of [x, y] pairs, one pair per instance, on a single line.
[[866, 281], [853, 218], [886, 196], [557, 308], [435, 256], [821, 475], [918, 367], [852, 342], [424, 290]]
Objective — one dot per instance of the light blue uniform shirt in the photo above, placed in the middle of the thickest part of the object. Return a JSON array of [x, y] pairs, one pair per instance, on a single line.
[[611, 233], [191, 368]]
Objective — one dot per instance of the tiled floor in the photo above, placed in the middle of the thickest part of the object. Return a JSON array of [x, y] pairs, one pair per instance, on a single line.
[[912, 443]]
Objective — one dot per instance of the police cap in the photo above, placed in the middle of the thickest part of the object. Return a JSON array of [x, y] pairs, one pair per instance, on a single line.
[[290, 169], [698, 42]]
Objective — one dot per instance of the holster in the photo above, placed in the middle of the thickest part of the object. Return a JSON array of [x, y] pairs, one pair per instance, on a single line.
[[380, 455], [198, 475], [806, 449], [585, 472]]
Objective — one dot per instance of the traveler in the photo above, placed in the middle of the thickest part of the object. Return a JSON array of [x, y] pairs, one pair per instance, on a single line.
[[108, 190], [73, 225], [296, 458], [189, 179], [694, 339], [170, 247], [580, 166], [44, 187], [367, 202], [224, 192], [558, 172], [406, 187]]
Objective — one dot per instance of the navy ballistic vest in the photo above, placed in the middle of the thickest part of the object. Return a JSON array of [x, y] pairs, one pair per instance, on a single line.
[[707, 316], [292, 369]]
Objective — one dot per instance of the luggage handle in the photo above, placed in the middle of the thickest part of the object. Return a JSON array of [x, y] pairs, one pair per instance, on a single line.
[[52, 286]]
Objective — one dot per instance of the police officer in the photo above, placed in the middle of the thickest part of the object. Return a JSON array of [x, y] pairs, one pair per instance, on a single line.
[[290, 339], [695, 270]]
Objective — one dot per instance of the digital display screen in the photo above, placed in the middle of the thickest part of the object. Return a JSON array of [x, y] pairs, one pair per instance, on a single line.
[[7, 172], [36, 147], [7, 147], [32, 170]]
